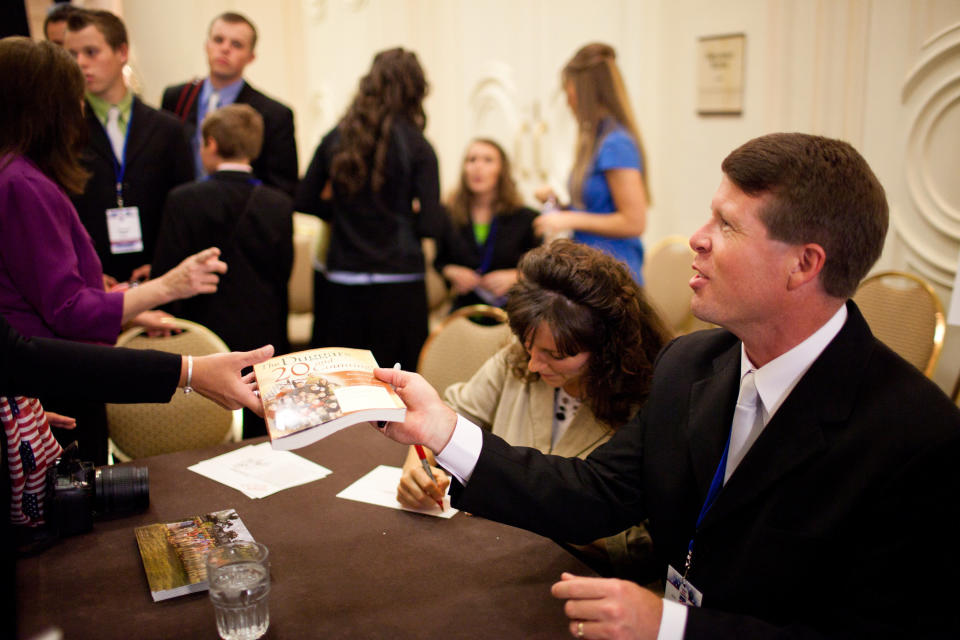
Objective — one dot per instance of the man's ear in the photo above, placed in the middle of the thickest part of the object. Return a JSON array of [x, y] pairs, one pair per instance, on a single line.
[[809, 263], [124, 51], [210, 144]]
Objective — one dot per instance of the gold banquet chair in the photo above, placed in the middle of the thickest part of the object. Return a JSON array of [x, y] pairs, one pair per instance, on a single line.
[[309, 235], [188, 421], [904, 313], [666, 277], [459, 346]]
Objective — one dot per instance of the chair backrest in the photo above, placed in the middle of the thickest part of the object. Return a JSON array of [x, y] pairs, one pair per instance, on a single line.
[[307, 235], [439, 298], [904, 312], [666, 276], [188, 421], [460, 346]]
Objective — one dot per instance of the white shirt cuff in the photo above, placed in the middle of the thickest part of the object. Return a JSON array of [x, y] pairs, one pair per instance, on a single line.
[[460, 455], [673, 621]]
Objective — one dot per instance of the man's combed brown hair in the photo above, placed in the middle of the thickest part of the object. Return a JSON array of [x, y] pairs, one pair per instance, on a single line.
[[394, 88], [237, 129], [823, 192], [112, 27], [591, 303], [231, 17], [41, 116]]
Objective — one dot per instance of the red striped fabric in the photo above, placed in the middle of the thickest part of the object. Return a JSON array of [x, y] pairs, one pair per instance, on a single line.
[[31, 449]]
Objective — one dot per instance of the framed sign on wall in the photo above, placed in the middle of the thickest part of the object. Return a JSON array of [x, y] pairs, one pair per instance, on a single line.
[[720, 74]]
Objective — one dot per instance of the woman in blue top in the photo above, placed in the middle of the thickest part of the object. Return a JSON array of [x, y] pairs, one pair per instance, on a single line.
[[608, 183]]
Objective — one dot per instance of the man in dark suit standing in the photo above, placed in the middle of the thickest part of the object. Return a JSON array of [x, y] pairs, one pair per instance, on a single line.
[[252, 224], [142, 150], [800, 479], [230, 45]]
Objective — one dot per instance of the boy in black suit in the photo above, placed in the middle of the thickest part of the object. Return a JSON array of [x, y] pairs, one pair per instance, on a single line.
[[130, 143], [230, 48], [252, 224]]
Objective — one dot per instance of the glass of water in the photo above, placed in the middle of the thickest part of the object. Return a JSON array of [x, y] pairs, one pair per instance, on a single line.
[[239, 577]]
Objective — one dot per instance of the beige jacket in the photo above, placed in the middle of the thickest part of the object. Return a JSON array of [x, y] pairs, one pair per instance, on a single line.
[[522, 414]]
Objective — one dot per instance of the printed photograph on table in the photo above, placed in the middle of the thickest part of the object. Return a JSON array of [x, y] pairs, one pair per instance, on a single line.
[[311, 394], [173, 553]]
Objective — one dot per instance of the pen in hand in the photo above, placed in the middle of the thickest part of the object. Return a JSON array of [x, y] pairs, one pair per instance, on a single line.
[[426, 467]]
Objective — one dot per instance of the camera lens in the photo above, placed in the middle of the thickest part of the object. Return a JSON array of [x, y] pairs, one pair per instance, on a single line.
[[119, 490]]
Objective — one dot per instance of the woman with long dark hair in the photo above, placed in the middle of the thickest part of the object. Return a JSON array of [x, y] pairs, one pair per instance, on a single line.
[[608, 183], [374, 180], [489, 229]]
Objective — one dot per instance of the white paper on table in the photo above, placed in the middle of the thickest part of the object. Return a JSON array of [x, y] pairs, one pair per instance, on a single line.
[[259, 470], [379, 487]]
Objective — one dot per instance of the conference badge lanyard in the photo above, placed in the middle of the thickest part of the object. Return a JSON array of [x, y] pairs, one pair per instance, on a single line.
[[123, 223], [483, 294], [678, 588]]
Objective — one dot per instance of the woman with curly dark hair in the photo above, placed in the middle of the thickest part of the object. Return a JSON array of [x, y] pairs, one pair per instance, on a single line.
[[580, 367], [489, 229], [374, 180]]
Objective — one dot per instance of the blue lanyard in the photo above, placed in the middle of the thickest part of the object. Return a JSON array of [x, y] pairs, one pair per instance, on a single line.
[[120, 169], [715, 486], [488, 249]]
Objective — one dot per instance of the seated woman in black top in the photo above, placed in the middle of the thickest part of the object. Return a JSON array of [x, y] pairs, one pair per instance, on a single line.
[[488, 229]]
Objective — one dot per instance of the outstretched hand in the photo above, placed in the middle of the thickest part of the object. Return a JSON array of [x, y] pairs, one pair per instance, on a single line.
[[196, 274], [429, 421], [218, 377], [608, 608]]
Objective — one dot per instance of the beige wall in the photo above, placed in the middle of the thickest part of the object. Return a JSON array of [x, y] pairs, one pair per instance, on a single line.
[[883, 74]]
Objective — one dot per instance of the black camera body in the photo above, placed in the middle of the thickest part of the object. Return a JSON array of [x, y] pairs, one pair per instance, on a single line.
[[78, 492]]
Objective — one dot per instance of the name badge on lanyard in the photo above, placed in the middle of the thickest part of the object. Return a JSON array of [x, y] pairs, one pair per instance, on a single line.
[[123, 228], [123, 223], [678, 588]]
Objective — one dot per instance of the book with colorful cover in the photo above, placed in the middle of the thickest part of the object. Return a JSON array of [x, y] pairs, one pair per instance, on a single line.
[[173, 553], [311, 394]]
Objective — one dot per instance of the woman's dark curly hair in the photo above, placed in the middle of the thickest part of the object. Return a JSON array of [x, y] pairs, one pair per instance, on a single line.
[[394, 87], [591, 303]]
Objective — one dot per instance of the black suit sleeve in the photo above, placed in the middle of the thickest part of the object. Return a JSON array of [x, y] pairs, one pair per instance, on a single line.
[[277, 164], [77, 370], [562, 498], [173, 241]]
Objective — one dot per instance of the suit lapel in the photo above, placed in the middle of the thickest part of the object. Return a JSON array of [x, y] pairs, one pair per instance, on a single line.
[[99, 144], [712, 400], [823, 397], [139, 130]]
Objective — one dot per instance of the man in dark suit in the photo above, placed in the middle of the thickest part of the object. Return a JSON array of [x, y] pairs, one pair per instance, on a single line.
[[252, 224], [230, 45], [800, 479], [129, 143]]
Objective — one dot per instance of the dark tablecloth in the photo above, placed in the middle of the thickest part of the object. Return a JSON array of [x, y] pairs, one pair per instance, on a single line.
[[340, 569]]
